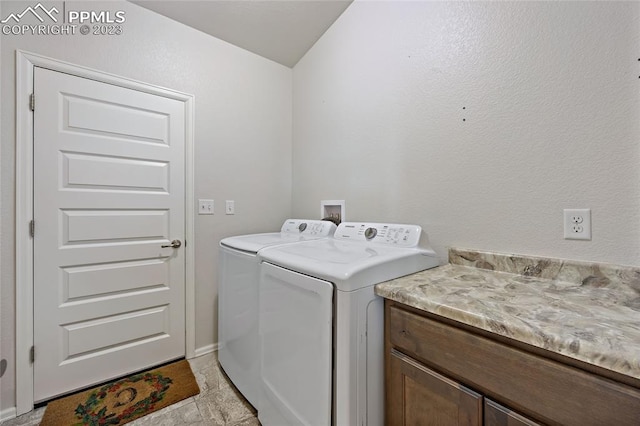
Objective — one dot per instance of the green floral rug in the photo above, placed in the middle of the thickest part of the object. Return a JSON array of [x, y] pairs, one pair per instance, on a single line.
[[124, 400]]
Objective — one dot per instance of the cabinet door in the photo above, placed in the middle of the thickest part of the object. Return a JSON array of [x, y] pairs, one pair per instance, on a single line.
[[497, 415], [417, 395]]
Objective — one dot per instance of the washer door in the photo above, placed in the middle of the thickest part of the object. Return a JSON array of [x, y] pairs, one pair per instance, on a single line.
[[295, 325]]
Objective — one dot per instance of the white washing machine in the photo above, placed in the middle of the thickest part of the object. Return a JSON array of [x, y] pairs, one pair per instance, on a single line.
[[238, 298], [322, 326]]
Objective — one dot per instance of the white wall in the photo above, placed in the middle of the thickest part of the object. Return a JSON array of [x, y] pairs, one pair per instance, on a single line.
[[550, 94], [242, 137]]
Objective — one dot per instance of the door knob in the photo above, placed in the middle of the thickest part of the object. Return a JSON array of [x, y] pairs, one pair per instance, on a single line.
[[174, 244]]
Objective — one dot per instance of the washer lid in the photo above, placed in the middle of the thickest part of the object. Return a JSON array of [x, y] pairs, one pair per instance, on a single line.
[[350, 265], [292, 231]]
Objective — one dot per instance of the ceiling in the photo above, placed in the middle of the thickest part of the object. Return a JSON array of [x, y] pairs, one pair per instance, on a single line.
[[280, 30]]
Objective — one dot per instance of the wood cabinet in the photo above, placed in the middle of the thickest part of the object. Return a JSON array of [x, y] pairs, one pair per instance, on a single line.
[[497, 415], [420, 396], [439, 372]]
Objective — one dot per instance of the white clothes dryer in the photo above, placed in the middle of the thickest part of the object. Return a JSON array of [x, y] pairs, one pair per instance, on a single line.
[[322, 326], [238, 298]]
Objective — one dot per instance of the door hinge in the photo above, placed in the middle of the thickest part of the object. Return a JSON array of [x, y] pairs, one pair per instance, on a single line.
[[32, 102], [32, 228], [32, 354]]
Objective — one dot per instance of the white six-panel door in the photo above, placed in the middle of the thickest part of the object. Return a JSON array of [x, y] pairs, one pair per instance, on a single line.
[[108, 194]]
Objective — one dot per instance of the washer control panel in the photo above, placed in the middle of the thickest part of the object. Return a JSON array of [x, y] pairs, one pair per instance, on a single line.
[[385, 233], [308, 227]]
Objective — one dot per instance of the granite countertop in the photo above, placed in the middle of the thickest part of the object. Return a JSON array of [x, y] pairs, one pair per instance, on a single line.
[[586, 311]]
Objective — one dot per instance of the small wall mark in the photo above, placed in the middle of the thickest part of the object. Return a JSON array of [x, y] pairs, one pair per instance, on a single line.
[[3, 367], [464, 118]]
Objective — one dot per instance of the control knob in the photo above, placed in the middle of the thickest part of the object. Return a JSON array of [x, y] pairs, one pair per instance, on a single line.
[[370, 233]]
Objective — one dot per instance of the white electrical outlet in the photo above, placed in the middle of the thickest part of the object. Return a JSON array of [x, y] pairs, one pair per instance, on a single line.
[[205, 206], [577, 224]]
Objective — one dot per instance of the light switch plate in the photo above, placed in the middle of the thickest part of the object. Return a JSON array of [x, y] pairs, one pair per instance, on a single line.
[[205, 206], [230, 207]]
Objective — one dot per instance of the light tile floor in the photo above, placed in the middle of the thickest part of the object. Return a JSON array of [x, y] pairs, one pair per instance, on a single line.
[[218, 403]]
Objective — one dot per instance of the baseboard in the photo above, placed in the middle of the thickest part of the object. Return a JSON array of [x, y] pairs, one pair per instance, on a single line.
[[206, 349], [8, 413]]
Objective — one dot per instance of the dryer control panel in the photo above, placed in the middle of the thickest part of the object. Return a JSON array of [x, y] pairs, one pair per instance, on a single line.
[[381, 233], [318, 228]]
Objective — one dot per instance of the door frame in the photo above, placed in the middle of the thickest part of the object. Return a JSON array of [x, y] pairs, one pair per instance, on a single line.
[[25, 64]]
